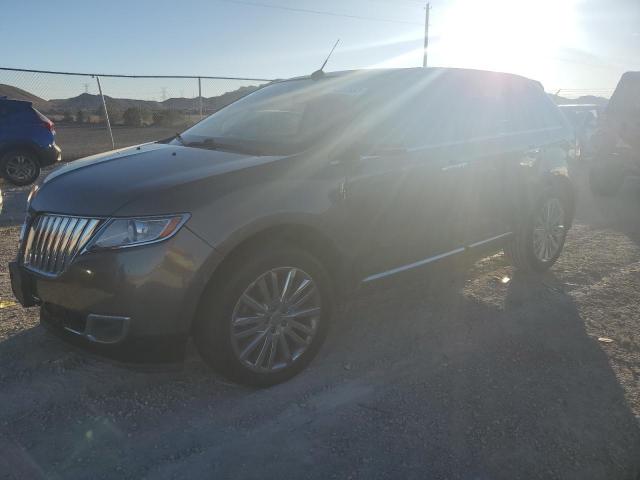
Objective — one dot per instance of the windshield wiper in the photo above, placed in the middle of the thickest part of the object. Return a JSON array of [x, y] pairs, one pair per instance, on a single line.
[[212, 144], [170, 139]]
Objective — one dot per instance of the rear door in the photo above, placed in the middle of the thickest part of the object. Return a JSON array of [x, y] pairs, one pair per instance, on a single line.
[[402, 194], [491, 159], [405, 195]]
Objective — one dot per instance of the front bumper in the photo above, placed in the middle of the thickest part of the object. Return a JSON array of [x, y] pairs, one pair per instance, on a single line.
[[135, 302]]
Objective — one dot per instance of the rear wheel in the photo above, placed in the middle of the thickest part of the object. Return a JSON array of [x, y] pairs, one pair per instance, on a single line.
[[269, 318], [20, 167], [539, 242]]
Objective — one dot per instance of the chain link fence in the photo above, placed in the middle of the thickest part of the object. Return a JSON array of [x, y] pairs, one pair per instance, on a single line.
[[97, 112]]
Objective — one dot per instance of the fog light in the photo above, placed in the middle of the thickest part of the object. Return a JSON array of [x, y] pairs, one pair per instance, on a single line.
[[106, 328]]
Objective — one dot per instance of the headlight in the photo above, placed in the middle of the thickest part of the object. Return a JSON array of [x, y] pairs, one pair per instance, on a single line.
[[128, 232]]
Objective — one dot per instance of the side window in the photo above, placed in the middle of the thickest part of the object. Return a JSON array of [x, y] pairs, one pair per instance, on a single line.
[[531, 109], [477, 108], [449, 109], [435, 118], [412, 119], [487, 114]]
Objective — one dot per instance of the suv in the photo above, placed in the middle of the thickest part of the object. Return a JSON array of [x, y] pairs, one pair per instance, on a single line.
[[258, 219], [27, 142], [617, 140]]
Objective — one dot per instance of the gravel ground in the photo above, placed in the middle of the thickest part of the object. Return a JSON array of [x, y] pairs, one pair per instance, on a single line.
[[485, 374]]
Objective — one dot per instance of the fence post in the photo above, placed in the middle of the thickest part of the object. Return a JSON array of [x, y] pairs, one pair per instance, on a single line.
[[200, 95], [106, 112]]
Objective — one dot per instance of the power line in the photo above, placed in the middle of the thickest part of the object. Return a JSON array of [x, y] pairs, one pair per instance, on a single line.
[[319, 12], [79, 74], [404, 3]]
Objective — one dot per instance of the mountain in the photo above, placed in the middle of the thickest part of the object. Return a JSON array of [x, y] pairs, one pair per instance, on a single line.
[[89, 102], [16, 93], [586, 99]]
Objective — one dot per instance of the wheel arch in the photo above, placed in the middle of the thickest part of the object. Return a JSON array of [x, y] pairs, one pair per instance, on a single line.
[[304, 236], [562, 183], [21, 146]]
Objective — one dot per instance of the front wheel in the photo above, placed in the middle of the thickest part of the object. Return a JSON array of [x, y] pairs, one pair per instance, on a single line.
[[266, 320], [539, 242], [20, 167]]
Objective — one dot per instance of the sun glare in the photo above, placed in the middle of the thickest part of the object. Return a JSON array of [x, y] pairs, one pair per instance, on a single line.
[[519, 36]]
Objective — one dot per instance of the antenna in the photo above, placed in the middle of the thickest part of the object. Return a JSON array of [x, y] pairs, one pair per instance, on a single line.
[[319, 73]]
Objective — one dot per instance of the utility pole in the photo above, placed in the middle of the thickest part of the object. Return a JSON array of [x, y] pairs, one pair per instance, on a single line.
[[200, 95], [106, 113], [426, 34]]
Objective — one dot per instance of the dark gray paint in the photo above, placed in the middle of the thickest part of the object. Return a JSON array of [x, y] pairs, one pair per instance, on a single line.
[[373, 213]]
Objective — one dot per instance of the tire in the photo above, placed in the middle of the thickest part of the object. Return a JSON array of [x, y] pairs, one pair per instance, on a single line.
[[225, 314], [20, 167], [524, 248], [605, 181]]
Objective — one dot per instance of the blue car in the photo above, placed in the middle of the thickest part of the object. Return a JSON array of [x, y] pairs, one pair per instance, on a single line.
[[27, 142]]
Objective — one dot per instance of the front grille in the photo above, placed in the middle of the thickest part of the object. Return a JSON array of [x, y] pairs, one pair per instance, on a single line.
[[53, 241]]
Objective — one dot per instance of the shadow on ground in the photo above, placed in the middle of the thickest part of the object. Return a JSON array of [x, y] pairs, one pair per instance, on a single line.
[[418, 379]]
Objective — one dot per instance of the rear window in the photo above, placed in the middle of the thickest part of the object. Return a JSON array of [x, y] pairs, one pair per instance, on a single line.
[[18, 110]]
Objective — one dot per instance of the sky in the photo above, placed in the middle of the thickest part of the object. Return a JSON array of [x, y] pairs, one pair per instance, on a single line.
[[580, 46]]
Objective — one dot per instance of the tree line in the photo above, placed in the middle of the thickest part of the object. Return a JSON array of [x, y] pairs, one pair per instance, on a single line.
[[131, 117]]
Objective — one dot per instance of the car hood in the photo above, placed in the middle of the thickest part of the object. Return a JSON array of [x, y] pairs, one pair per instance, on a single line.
[[102, 184]]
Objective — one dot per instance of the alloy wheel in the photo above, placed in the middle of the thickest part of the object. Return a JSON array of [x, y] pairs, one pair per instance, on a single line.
[[275, 319], [549, 230], [20, 168]]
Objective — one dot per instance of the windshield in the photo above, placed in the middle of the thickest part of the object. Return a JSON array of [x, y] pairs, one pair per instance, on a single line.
[[282, 118]]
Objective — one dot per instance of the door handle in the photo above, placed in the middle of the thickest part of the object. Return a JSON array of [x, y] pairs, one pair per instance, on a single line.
[[453, 166]]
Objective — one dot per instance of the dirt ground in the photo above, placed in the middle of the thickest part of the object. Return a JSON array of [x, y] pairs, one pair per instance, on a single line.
[[78, 141], [485, 374]]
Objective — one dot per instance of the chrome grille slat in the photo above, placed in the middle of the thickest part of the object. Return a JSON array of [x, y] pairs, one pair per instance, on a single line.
[[31, 238], [64, 245], [62, 231], [54, 240], [75, 236], [30, 235], [42, 230], [53, 233], [83, 238]]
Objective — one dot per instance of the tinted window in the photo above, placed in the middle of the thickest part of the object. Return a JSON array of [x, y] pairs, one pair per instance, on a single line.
[[531, 108], [453, 107], [433, 111], [486, 113], [281, 118], [424, 117]]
